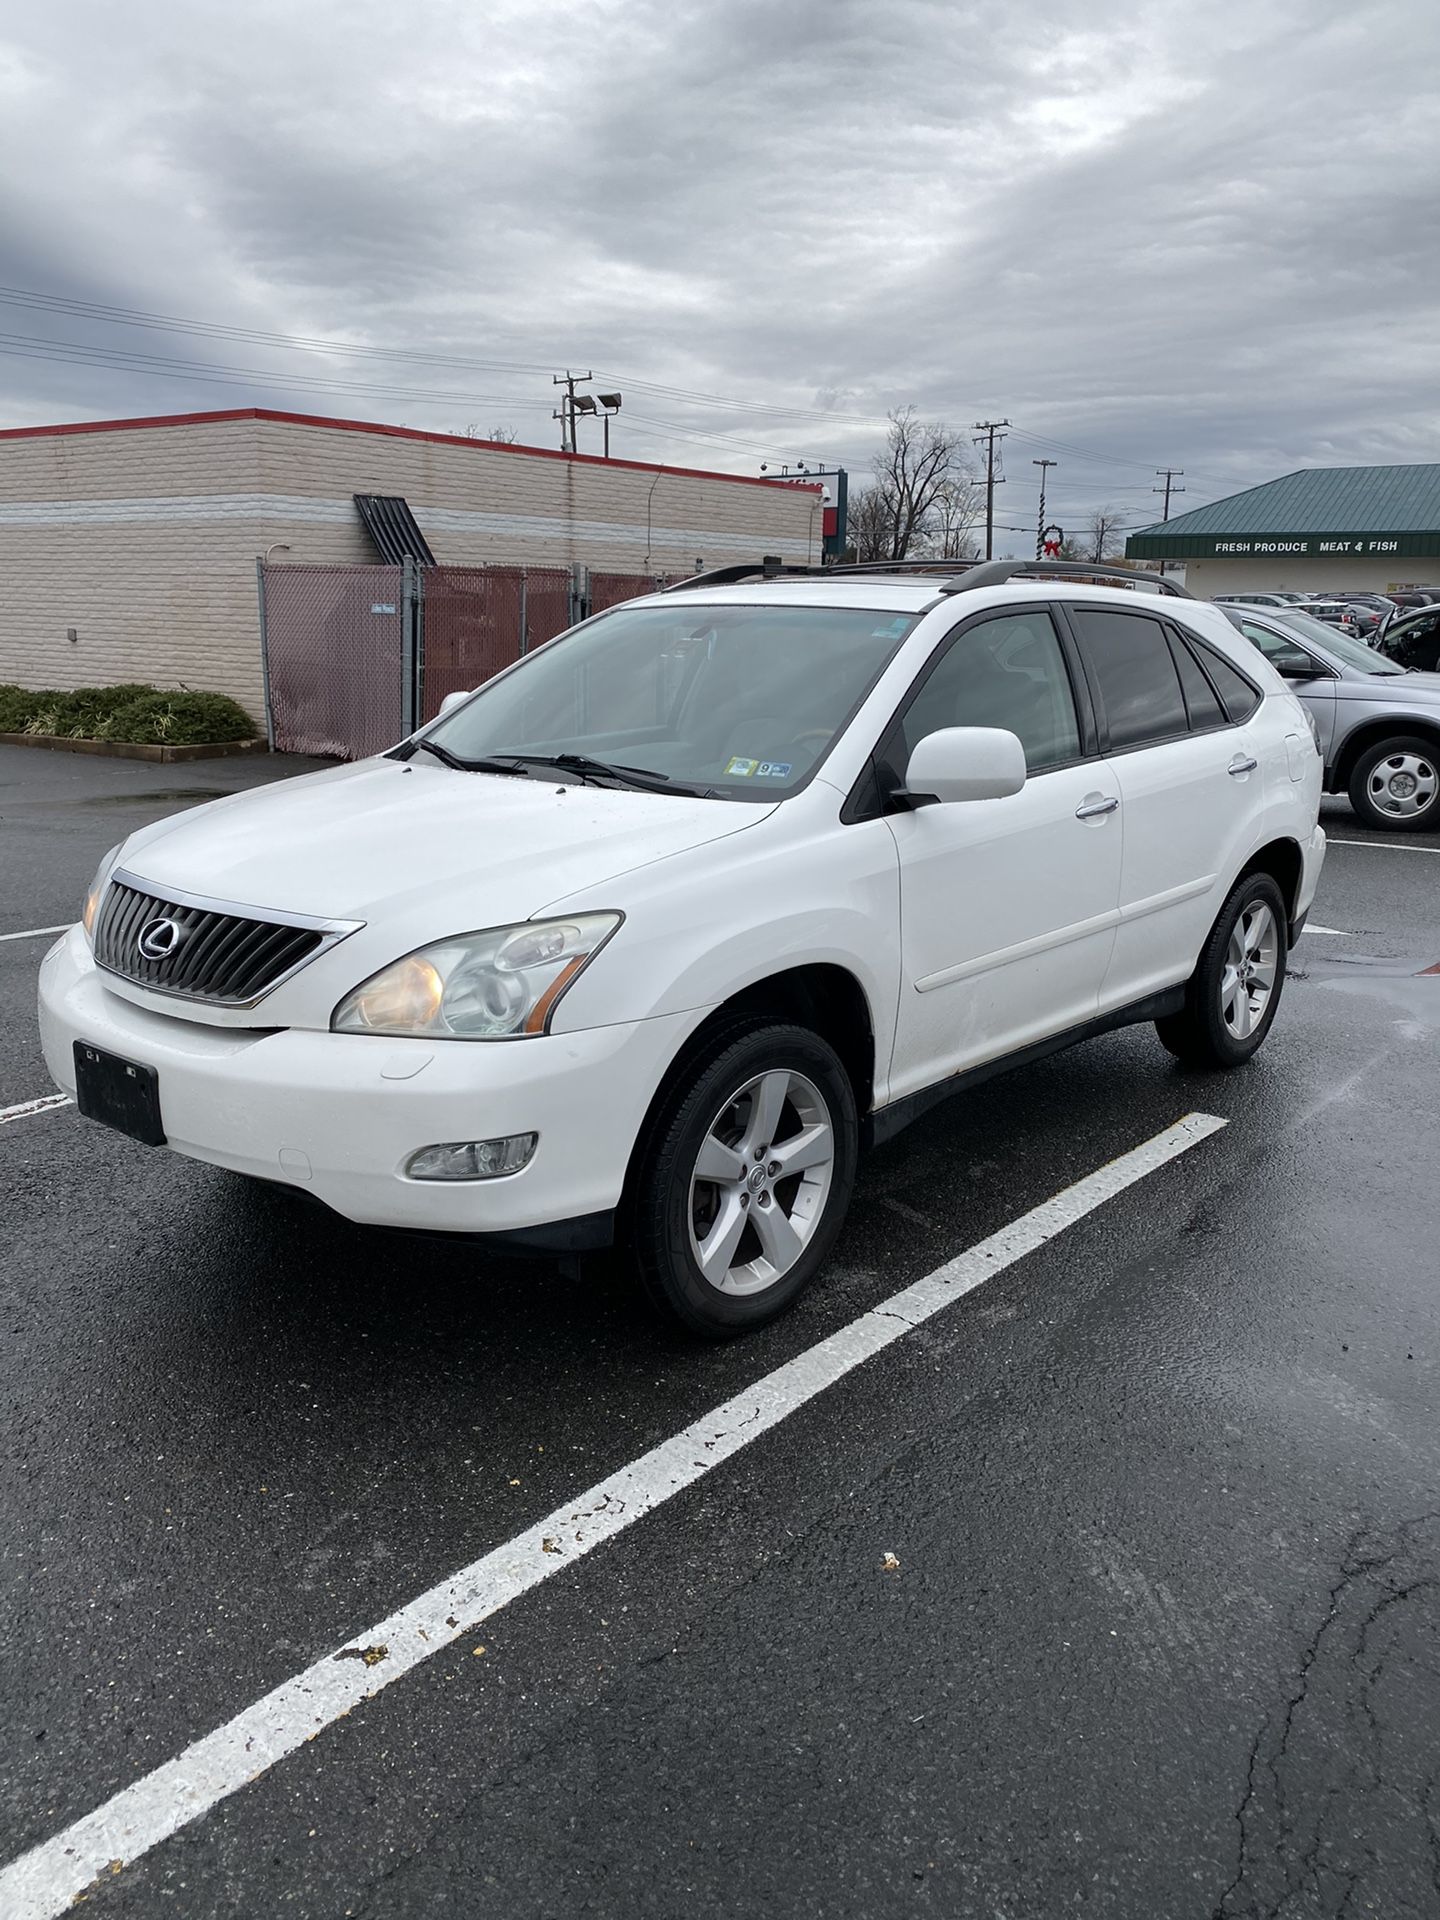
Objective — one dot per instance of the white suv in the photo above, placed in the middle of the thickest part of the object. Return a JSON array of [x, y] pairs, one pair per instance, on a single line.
[[654, 930]]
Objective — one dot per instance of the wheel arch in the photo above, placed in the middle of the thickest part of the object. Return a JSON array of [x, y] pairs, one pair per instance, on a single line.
[[820, 995], [1285, 863], [1370, 733]]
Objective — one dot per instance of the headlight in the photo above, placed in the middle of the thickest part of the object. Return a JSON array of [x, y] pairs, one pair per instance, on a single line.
[[97, 887], [500, 985]]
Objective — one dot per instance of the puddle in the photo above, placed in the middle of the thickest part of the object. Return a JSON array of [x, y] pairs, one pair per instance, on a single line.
[[164, 795]]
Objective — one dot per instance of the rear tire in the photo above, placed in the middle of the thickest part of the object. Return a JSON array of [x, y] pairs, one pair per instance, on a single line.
[[1395, 785], [1232, 997], [744, 1178]]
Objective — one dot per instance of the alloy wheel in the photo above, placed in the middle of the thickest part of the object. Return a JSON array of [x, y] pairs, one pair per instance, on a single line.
[[1247, 981], [761, 1181]]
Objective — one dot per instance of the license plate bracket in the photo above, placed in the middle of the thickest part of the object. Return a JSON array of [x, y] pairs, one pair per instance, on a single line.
[[123, 1094]]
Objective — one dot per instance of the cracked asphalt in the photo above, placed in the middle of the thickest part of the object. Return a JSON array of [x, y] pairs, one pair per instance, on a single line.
[[1164, 1634]]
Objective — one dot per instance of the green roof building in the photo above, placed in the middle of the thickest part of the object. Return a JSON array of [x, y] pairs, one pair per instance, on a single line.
[[1363, 528]]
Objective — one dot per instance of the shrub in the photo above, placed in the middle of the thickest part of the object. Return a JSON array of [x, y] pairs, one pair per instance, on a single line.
[[17, 704], [177, 719], [129, 711]]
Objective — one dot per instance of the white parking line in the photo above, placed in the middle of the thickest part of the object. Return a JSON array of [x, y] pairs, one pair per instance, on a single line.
[[1335, 933], [26, 1108], [44, 1882], [33, 933], [1389, 846]]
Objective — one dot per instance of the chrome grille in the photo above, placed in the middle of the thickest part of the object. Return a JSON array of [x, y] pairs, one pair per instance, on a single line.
[[229, 959]]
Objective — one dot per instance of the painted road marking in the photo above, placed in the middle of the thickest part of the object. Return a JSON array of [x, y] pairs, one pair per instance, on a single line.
[[1390, 846], [42, 1883], [33, 933], [1334, 933], [45, 1104]]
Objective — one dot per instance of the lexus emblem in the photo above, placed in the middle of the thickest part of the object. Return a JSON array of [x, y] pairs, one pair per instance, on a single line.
[[159, 938]]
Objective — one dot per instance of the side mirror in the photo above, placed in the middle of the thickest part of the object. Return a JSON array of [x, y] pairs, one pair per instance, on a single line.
[[453, 700], [965, 763], [1294, 666]]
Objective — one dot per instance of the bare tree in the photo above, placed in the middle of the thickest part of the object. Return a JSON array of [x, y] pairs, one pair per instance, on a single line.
[[916, 496], [958, 508], [1102, 532], [869, 524], [507, 436]]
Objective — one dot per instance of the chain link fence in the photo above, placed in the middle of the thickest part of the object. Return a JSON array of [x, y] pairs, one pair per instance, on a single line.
[[357, 657]]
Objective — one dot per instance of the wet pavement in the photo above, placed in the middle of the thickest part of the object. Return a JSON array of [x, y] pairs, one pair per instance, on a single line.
[[1164, 1633]]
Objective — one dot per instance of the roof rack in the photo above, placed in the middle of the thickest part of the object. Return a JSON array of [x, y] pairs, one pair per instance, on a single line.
[[994, 573], [772, 567], [974, 574]]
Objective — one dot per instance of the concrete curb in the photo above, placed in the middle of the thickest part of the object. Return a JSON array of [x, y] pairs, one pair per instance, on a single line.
[[134, 749]]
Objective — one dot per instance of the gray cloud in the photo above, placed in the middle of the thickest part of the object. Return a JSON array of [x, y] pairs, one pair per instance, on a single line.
[[1196, 235]]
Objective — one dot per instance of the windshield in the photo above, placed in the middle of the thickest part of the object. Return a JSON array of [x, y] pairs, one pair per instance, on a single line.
[[1354, 653], [741, 702]]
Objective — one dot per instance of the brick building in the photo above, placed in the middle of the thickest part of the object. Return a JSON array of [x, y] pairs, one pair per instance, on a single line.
[[128, 547]]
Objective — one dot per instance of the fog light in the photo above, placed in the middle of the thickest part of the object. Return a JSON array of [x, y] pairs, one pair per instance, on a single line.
[[472, 1159]]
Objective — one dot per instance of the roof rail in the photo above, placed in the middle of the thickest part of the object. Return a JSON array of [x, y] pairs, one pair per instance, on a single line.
[[995, 573], [771, 567]]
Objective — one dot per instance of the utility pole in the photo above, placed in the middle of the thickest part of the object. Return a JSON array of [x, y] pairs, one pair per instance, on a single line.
[[990, 428], [1169, 475], [1040, 523], [566, 412]]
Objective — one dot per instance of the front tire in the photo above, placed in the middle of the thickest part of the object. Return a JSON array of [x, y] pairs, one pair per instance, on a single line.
[[1395, 785], [745, 1179], [1232, 997]]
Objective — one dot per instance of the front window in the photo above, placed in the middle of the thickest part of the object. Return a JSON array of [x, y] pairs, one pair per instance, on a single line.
[[1354, 653], [738, 702]]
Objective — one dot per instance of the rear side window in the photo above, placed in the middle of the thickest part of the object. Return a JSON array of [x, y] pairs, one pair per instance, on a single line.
[[1135, 680], [1201, 700], [1240, 698]]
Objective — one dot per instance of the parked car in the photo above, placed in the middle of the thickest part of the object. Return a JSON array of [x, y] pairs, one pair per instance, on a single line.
[[1341, 614], [1274, 599], [1407, 598], [1413, 640], [651, 932], [1379, 726]]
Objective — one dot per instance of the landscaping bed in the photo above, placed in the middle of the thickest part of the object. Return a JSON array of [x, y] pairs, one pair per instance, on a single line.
[[131, 721]]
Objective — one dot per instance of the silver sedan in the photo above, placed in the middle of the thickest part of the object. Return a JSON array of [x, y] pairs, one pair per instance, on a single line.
[[1378, 725]]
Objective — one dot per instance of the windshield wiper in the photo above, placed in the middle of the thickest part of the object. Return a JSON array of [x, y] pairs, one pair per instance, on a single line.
[[446, 758], [645, 779]]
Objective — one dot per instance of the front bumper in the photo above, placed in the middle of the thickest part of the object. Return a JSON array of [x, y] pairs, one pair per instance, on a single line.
[[338, 1115]]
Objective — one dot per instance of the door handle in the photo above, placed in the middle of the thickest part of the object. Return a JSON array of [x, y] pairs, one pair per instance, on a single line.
[[1092, 808], [1243, 763]]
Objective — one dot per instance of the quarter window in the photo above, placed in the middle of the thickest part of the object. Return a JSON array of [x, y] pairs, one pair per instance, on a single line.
[[1007, 672], [1201, 701], [1234, 689], [1133, 674]]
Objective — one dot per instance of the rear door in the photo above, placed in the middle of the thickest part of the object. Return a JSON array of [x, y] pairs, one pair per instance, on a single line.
[[1190, 784], [1007, 906]]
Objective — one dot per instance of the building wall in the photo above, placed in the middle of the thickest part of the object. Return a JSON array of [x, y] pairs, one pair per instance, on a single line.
[[1310, 573], [120, 536], [143, 540]]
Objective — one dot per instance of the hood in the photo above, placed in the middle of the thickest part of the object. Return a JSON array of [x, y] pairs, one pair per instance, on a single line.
[[485, 849], [1392, 689]]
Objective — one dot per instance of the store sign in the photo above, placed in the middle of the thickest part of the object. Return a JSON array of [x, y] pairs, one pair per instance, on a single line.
[[1160, 545], [1353, 544]]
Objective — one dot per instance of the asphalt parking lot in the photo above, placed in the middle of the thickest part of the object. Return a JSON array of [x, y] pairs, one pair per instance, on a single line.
[[1163, 1493]]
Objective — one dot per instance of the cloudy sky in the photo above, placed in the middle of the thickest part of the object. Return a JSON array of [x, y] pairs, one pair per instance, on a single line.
[[1197, 233]]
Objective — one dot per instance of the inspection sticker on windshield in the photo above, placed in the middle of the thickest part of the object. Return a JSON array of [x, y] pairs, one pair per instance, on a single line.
[[761, 769]]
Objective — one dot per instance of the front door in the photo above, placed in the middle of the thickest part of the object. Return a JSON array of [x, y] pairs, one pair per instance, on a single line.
[[1007, 907]]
